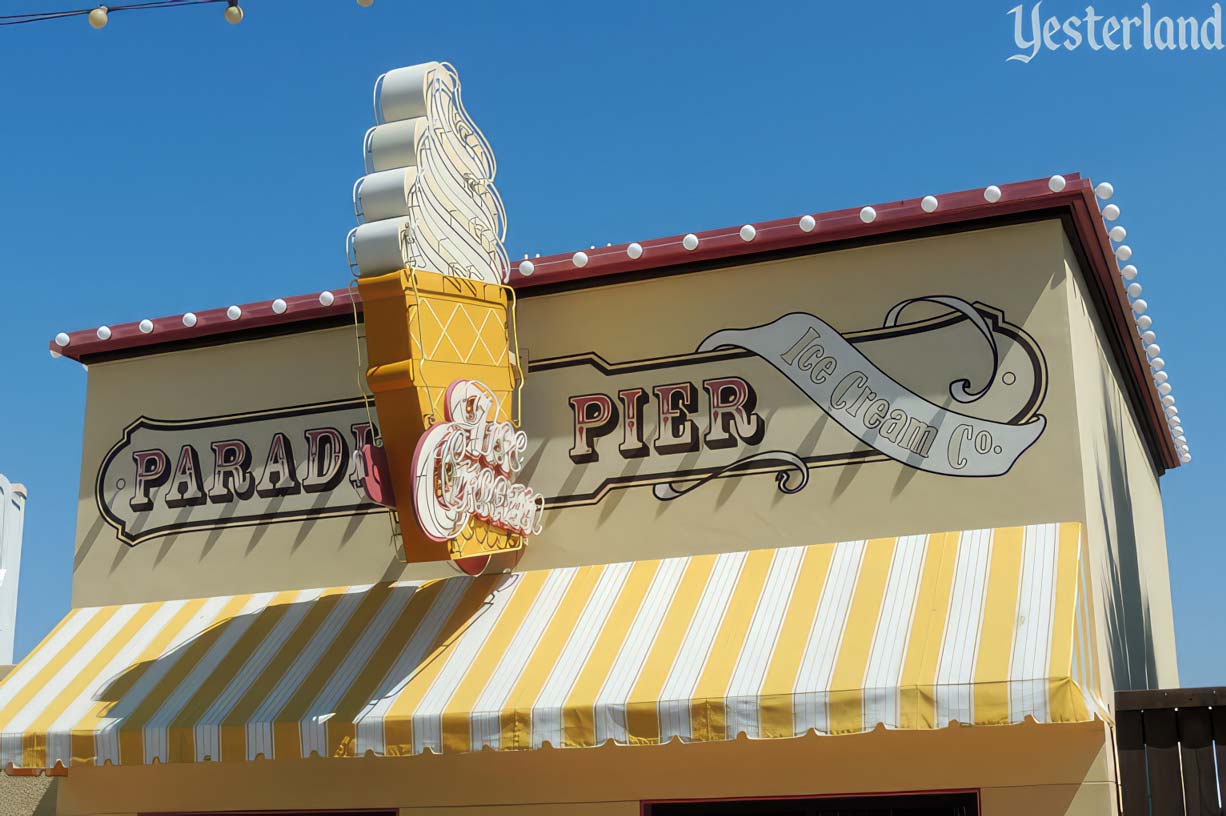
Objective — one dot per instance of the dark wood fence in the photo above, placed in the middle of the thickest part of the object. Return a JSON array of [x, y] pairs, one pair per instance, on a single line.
[[1172, 747]]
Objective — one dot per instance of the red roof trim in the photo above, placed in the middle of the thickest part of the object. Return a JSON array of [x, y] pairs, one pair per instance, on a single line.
[[783, 234], [84, 344], [1076, 203]]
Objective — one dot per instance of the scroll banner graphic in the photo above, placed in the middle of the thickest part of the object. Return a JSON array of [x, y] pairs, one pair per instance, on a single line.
[[876, 409]]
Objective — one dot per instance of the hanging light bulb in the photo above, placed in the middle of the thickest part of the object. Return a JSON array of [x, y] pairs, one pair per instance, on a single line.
[[234, 14], [98, 18]]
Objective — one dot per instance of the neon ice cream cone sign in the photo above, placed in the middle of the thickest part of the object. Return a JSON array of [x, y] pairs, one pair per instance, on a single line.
[[442, 361], [466, 466]]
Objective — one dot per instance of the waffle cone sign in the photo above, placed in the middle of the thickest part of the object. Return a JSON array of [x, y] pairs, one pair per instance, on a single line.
[[426, 332]]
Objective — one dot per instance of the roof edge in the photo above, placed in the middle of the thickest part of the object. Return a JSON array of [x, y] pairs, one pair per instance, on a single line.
[[1074, 202]]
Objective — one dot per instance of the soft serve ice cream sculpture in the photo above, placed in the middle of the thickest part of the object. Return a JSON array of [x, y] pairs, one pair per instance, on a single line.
[[440, 326]]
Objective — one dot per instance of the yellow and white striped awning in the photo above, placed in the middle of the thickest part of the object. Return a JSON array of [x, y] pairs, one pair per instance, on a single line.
[[979, 627]]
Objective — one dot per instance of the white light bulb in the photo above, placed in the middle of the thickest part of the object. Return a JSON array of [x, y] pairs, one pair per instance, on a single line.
[[634, 251], [526, 268], [929, 204], [1056, 184], [1153, 350], [1134, 290], [234, 14], [326, 298], [1164, 389], [1187, 457], [1129, 272], [1139, 306], [98, 17], [189, 320], [1111, 212], [1168, 400], [234, 313], [1118, 234], [991, 194], [1145, 321], [1181, 438], [1123, 252], [748, 232], [868, 215], [579, 259], [145, 326], [807, 223], [1161, 377], [279, 306], [1148, 337], [62, 339], [104, 332], [1157, 364], [1104, 190], [690, 242]]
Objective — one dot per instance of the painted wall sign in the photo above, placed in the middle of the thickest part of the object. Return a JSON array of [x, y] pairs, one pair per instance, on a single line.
[[166, 476], [955, 394]]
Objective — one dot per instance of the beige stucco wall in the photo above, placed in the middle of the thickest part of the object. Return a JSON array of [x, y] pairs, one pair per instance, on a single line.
[[1024, 769], [1018, 269], [27, 795], [1123, 512]]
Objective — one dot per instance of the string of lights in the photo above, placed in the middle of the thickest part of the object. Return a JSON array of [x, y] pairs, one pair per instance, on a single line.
[[99, 16]]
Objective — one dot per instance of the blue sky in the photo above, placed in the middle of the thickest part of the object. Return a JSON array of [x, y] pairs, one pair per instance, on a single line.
[[174, 162]]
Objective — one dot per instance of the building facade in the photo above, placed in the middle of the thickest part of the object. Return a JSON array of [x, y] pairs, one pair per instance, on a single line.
[[839, 509], [12, 521]]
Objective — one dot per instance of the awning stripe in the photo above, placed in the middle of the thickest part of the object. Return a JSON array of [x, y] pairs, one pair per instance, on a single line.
[[697, 651], [640, 711], [83, 709], [418, 629], [917, 693], [844, 699], [546, 712], [812, 684], [635, 643], [1006, 571], [1032, 644], [523, 639], [955, 671], [247, 730], [981, 627], [759, 644], [706, 704], [343, 668], [776, 703], [111, 627], [138, 681], [883, 674]]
